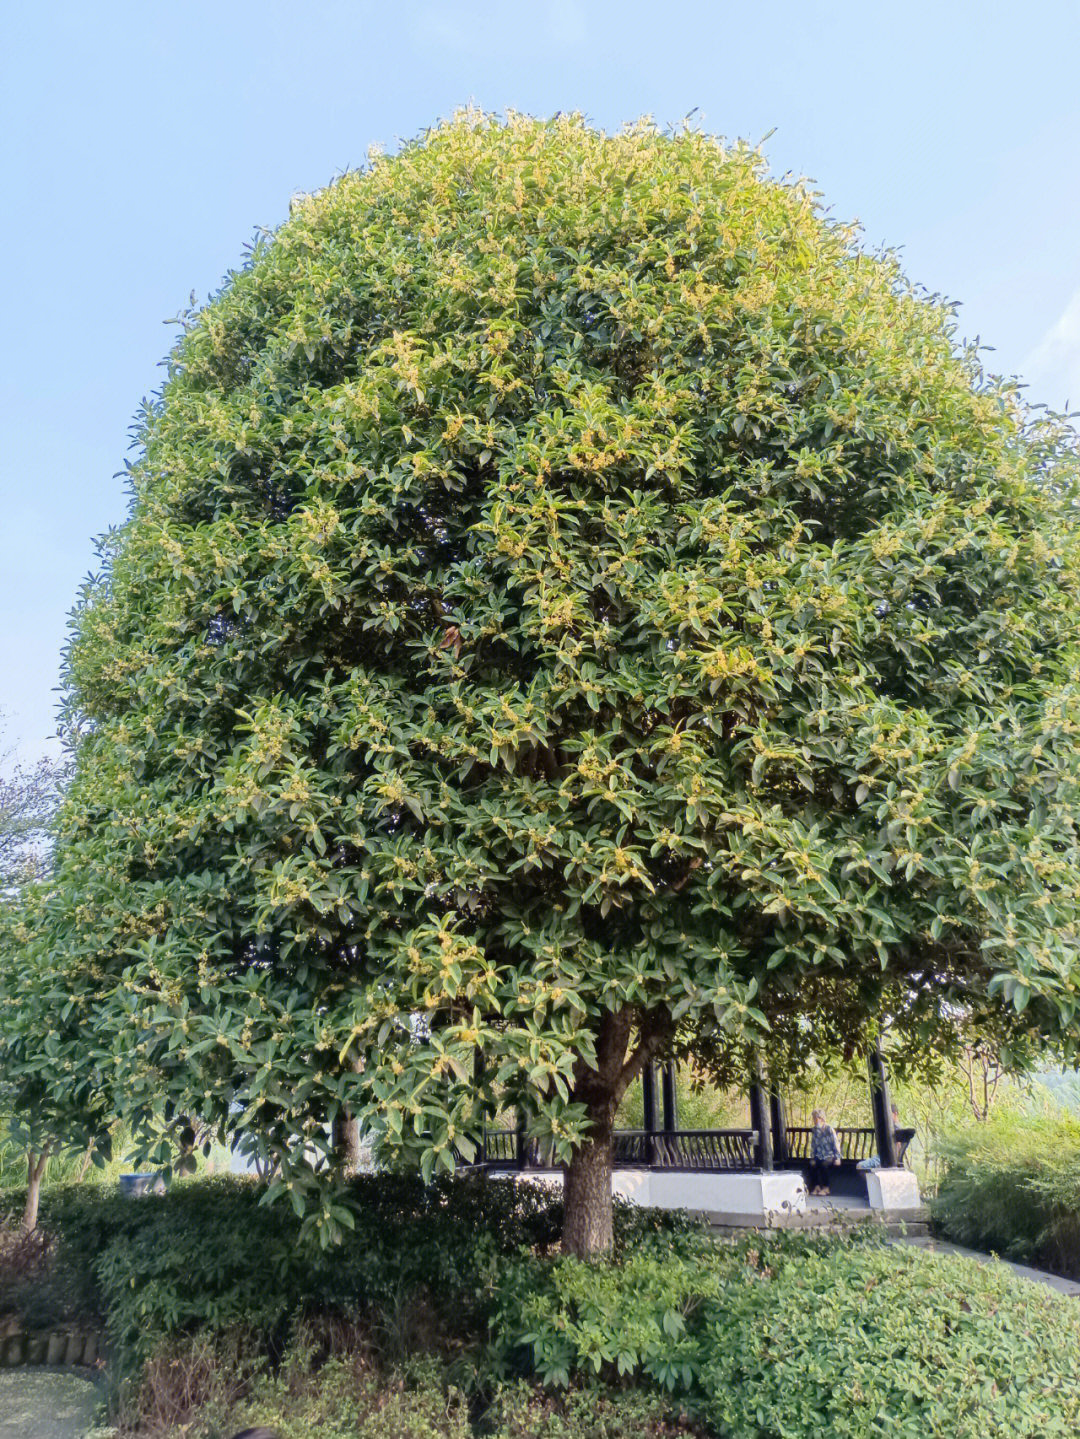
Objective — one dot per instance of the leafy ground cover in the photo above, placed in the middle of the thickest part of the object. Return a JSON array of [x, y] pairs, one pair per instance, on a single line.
[[797, 1338], [449, 1312], [345, 1398], [1012, 1186]]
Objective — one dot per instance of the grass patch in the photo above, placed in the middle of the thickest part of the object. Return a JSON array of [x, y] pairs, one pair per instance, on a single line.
[[43, 1404]]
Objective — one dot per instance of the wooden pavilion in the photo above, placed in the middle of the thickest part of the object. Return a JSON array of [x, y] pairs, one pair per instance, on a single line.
[[719, 1167]]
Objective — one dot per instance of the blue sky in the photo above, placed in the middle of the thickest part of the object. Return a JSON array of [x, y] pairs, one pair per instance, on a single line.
[[143, 143]]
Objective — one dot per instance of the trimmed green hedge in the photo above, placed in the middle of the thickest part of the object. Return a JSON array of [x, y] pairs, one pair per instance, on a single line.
[[210, 1254], [787, 1339], [1012, 1186]]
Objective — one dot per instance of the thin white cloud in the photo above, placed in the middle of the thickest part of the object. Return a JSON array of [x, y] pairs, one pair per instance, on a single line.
[[1052, 369]]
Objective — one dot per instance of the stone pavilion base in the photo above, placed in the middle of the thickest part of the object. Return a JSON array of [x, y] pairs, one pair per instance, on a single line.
[[776, 1199]]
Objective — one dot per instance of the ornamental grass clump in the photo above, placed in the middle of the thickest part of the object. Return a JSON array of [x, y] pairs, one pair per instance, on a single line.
[[578, 608], [1012, 1185]]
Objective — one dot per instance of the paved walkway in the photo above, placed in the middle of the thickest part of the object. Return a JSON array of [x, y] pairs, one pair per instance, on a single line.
[[1025, 1271], [45, 1404]]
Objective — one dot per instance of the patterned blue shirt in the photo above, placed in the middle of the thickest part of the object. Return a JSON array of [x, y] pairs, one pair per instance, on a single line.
[[824, 1144]]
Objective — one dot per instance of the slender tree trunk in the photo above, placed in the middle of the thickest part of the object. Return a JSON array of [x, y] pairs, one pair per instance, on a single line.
[[84, 1167], [35, 1173], [345, 1134]]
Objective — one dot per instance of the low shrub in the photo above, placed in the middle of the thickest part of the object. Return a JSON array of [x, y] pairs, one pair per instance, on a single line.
[[347, 1398], [522, 1411], [576, 1320], [1012, 1186], [218, 1312], [841, 1338], [24, 1257], [210, 1256], [881, 1340], [38, 1284], [191, 1377]]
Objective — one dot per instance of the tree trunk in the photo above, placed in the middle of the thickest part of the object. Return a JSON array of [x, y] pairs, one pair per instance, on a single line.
[[345, 1136], [35, 1173], [587, 1225], [587, 1195], [345, 1133], [587, 1178]]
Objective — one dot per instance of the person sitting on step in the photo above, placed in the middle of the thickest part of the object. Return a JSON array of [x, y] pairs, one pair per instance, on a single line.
[[874, 1161], [824, 1154]]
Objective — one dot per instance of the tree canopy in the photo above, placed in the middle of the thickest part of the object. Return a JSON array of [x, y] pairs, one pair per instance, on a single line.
[[577, 605], [28, 799], [44, 1105]]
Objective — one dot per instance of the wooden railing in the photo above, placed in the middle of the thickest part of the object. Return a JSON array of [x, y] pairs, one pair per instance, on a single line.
[[855, 1144], [500, 1148], [708, 1149], [712, 1150]]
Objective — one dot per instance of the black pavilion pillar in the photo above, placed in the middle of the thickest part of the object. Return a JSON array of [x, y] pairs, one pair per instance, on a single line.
[[760, 1117], [478, 1084], [521, 1144], [668, 1098], [882, 1106], [778, 1115], [648, 1106]]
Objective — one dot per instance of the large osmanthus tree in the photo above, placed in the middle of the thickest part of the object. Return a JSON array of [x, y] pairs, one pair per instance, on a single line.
[[577, 606]]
